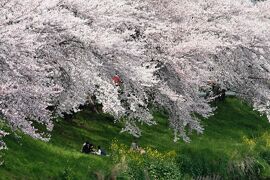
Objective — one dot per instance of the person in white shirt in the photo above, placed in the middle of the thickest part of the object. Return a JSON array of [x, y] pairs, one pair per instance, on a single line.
[[98, 152]]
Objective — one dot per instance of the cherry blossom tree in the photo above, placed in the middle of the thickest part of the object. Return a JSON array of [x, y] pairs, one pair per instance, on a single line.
[[55, 55]]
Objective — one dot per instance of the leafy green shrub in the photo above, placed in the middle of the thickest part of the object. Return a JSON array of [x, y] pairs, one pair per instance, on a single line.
[[150, 165], [67, 174], [246, 168], [202, 165], [163, 170], [266, 156], [135, 171]]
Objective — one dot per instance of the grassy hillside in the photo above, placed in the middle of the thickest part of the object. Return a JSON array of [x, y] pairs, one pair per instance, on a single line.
[[235, 138]]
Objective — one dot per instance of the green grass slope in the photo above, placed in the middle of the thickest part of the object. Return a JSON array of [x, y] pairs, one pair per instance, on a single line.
[[234, 136]]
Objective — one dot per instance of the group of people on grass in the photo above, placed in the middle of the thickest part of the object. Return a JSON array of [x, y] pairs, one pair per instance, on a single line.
[[89, 148]]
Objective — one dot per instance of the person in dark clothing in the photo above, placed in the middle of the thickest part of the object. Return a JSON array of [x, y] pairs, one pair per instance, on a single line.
[[86, 148], [103, 152], [222, 95], [215, 89]]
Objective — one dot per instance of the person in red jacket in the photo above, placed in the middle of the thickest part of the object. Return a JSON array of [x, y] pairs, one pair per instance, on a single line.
[[117, 80]]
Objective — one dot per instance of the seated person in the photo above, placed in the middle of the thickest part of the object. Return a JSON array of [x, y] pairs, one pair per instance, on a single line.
[[100, 152], [86, 148], [91, 148], [134, 146]]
